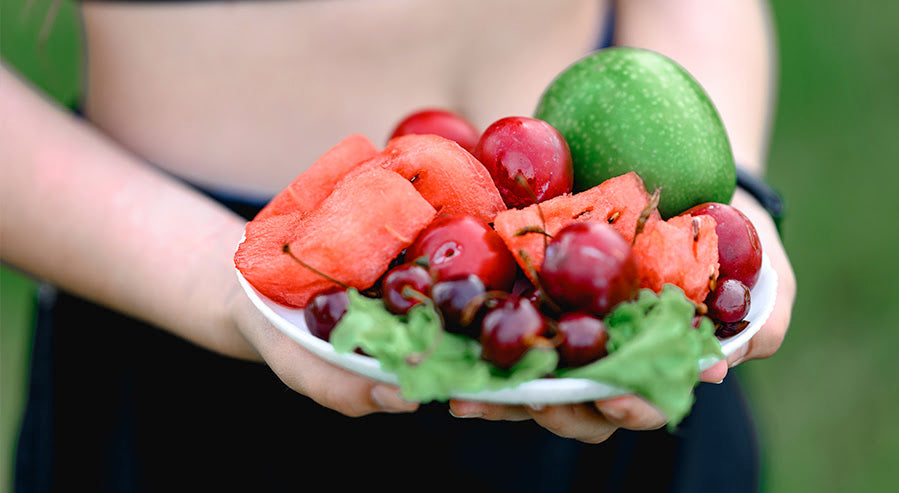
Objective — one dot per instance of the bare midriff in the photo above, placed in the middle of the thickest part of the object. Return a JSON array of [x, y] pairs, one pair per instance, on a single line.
[[243, 96]]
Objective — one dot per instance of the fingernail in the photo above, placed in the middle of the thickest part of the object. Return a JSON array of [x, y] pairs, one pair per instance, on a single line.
[[536, 407], [613, 414], [466, 416], [388, 399]]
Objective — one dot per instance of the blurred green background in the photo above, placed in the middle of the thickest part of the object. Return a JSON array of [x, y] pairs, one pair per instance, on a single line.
[[828, 401]]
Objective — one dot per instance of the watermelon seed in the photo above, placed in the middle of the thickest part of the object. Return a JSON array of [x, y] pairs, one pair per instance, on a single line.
[[702, 308], [286, 249], [695, 224], [614, 216], [584, 214], [396, 234], [532, 229]]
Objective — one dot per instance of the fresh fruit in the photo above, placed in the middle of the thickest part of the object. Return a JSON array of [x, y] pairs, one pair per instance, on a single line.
[[405, 286], [324, 311], [528, 159], [583, 339], [457, 245], [626, 109], [311, 187], [619, 201], [348, 240], [589, 267], [460, 302], [739, 248], [445, 174], [729, 301], [510, 330], [442, 122], [682, 251]]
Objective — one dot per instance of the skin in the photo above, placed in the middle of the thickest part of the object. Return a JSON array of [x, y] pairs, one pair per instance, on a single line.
[[83, 209]]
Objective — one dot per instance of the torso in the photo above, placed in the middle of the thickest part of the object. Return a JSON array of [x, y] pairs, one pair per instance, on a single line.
[[243, 96]]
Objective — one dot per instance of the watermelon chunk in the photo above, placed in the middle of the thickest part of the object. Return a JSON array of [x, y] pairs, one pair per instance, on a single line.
[[618, 201], [352, 236], [683, 251], [444, 173], [315, 183]]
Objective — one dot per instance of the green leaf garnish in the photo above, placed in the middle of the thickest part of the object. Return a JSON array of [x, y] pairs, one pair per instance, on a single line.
[[654, 351]]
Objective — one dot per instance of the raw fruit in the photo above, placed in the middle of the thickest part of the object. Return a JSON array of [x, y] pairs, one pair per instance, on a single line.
[[437, 121], [349, 240], [312, 186], [626, 109], [459, 302], [729, 301], [324, 311], [447, 176], [456, 245], [618, 201], [589, 267], [519, 148], [583, 339], [405, 286], [682, 251], [510, 330], [739, 248]]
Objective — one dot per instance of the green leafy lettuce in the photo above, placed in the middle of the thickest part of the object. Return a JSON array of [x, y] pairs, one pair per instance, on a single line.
[[430, 363], [654, 351]]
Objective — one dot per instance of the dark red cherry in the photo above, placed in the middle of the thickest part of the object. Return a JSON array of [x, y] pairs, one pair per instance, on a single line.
[[583, 339], [459, 245], [324, 312], [589, 267], [729, 301], [405, 286], [510, 330], [458, 299], [519, 148], [437, 121], [739, 248]]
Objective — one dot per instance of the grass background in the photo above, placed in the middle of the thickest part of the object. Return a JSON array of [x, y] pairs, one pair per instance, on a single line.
[[828, 401]]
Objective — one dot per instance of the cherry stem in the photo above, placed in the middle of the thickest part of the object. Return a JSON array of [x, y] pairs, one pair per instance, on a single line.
[[522, 181], [286, 249], [475, 304], [535, 278], [647, 211]]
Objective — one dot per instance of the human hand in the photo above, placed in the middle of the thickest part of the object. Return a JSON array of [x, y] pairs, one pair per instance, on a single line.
[[591, 422], [306, 373], [770, 337]]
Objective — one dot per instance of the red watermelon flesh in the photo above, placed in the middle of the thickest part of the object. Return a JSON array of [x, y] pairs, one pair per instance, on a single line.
[[352, 236], [315, 183], [444, 173], [683, 251], [618, 201]]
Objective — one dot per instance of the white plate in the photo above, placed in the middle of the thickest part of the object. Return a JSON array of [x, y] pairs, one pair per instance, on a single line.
[[540, 391]]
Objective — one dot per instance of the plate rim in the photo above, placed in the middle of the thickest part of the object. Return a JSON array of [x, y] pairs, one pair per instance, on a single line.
[[539, 391]]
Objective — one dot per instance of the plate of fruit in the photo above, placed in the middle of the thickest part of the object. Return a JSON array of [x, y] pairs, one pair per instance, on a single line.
[[491, 266]]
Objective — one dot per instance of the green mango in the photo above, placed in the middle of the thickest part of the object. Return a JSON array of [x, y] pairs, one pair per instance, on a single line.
[[627, 109]]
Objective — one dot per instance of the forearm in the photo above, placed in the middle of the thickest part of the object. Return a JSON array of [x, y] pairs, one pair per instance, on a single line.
[[728, 46], [89, 217]]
